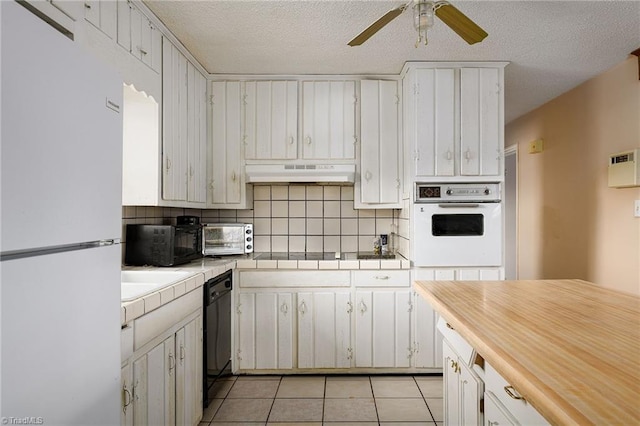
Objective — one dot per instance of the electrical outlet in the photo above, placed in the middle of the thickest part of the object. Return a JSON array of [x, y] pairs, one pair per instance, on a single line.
[[636, 211], [536, 146]]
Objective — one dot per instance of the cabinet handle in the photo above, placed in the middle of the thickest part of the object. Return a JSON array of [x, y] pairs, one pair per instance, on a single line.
[[168, 163], [144, 52], [211, 185], [467, 155], [382, 277], [349, 353], [172, 363], [182, 354], [87, 6], [291, 140], [233, 176], [308, 139], [367, 175], [349, 307], [302, 308], [191, 171], [284, 308], [126, 399], [362, 307], [512, 392], [449, 155]]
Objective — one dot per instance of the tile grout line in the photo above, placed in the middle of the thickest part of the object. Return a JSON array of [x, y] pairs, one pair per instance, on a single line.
[[424, 399]]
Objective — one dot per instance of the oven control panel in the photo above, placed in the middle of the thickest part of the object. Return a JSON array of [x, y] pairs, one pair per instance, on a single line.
[[457, 192]]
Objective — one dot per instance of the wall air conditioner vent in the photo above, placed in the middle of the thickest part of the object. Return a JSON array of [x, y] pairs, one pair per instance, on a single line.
[[624, 169]]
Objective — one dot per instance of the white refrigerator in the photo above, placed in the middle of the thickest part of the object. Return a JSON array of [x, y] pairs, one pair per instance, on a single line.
[[61, 168]]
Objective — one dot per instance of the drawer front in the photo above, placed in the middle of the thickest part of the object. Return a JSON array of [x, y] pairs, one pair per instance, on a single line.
[[464, 349], [275, 279], [494, 412], [520, 409], [381, 278]]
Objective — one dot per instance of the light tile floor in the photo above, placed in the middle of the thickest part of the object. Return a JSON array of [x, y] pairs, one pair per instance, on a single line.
[[326, 400]]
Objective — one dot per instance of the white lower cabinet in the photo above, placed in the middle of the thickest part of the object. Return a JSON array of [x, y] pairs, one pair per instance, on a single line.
[[427, 342], [463, 390], [494, 413], [383, 328], [162, 379], [265, 330], [126, 383], [324, 329], [154, 385], [508, 402]]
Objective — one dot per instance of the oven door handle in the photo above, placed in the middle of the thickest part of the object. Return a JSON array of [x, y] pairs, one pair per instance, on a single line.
[[457, 205]]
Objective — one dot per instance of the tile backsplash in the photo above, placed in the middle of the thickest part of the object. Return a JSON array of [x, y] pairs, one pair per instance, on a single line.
[[295, 218]]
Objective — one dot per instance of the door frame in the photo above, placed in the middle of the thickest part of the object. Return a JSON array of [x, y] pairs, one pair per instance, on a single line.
[[511, 190]]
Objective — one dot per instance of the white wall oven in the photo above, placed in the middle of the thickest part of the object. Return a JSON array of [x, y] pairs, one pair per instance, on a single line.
[[457, 224]]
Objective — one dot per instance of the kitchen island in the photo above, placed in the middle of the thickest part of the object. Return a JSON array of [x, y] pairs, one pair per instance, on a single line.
[[569, 347]]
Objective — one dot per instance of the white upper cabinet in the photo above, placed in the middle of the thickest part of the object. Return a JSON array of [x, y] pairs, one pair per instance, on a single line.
[[328, 120], [227, 186], [453, 121], [379, 176], [435, 122], [137, 34], [103, 15], [271, 120], [481, 121], [184, 129]]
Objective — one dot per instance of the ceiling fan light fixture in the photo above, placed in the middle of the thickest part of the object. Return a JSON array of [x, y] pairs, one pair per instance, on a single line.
[[423, 18]]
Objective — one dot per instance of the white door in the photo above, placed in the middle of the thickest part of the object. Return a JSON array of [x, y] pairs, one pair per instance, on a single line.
[[324, 324], [451, 385], [435, 122], [245, 356], [274, 340], [480, 123], [328, 121], [471, 392], [424, 335], [383, 330], [271, 119], [189, 373], [379, 149]]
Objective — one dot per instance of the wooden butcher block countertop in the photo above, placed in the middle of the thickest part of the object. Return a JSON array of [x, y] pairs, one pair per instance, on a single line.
[[571, 348]]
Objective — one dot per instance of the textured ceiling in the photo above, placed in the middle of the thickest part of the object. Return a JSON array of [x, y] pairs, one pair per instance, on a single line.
[[552, 46]]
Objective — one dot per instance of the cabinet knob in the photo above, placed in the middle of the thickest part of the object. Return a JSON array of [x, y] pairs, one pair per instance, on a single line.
[[362, 307], [291, 140], [284, 308], [308, 139], [302, 308], [367, 175]]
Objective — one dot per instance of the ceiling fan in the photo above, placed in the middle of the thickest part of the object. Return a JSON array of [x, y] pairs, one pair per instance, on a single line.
[[423, 13]]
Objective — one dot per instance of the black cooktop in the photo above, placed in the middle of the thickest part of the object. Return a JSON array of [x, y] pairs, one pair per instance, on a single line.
[[299, 256]]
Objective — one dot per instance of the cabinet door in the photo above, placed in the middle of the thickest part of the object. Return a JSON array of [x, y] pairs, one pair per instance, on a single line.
[[136, 32], [196, 135], [383, 329], [227, 180], [324, 330], [451, 385], [379, 150], [272, 346], [328, 120], [494, 413], [245, 358], [435, 122], [92, 12], [189, 373], [480, 123], [156, 49], [174, 107], [425, 335], [271, 119], [273, 341], [126, 380], [154, 385], [124, 25], [471, 392], [109, 18]]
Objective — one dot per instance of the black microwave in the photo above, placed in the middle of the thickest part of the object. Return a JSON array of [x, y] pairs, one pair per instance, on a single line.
[[162, 245]]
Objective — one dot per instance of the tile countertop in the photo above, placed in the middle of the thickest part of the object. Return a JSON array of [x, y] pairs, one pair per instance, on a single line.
[[571, 348], [207, 268]]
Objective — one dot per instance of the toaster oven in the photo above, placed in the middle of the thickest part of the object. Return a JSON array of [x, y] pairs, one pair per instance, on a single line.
[[219, 239]]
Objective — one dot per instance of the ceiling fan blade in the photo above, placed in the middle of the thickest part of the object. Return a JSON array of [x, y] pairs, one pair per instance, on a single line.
[[377, 26], [458, 22]]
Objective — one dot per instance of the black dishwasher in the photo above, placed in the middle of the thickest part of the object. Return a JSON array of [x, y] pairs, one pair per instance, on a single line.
[[216, 331]]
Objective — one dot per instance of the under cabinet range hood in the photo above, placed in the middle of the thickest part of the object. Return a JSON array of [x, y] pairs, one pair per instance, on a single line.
[[325, 173]]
